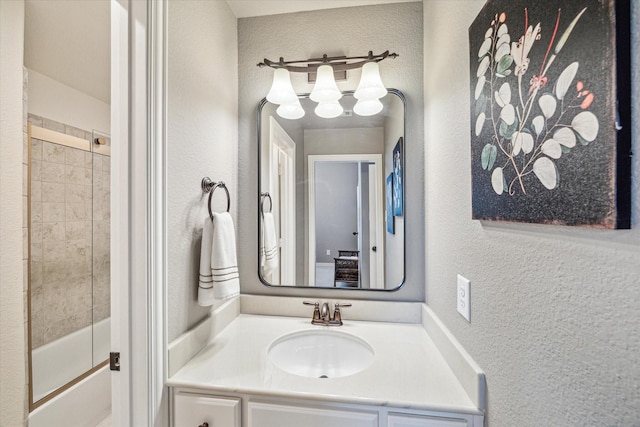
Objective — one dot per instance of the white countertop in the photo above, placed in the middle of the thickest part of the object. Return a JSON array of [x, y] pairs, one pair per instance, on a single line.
[[408, 370]]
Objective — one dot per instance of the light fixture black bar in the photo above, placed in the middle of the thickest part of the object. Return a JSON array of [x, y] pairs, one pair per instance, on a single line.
[[337, 62]]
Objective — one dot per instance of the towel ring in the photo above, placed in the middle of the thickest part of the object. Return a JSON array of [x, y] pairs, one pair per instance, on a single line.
[[264, 197], [209, 186]]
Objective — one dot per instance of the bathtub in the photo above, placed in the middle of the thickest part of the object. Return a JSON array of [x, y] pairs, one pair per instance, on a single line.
[[54, 365]]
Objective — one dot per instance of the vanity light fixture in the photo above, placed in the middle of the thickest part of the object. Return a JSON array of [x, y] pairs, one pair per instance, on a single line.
[[291, 111], [325, 91], [370, 86], [369, 107], [329, 110], [281, 91]]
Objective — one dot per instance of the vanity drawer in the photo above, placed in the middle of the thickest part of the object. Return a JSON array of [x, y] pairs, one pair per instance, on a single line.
[[194, 409], [405, 420], [270, 415]]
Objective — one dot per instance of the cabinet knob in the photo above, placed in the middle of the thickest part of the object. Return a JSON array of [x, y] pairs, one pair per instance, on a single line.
[[204, 424]]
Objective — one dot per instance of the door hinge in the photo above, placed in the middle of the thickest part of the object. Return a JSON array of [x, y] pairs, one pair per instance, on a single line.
[[114, 360]]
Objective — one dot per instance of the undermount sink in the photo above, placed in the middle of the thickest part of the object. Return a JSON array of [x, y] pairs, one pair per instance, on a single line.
[[321, 353]]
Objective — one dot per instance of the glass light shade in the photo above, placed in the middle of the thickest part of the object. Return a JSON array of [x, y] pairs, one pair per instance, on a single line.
[[370, 107], [281, 91], [329, 110], [370, 86], [291, 111], [325, 89]]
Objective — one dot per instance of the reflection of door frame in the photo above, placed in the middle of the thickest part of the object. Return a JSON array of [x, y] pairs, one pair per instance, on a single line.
[[376, 228], [312, 160], [282, 187]]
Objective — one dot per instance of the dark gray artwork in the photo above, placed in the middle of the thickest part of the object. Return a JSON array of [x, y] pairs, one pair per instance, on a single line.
[[548, 142]]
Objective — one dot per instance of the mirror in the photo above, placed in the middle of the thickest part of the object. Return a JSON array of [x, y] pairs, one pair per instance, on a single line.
[[331, 197]]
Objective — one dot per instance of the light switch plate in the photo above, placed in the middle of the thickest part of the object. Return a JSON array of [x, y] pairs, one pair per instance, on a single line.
[[463, 298]]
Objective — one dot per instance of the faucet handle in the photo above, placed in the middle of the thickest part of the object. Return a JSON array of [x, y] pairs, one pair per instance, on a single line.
[[316, 311], [337, 317]]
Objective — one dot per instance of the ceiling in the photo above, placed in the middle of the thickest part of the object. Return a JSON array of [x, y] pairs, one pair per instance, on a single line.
[[248, 8], [69, 40]]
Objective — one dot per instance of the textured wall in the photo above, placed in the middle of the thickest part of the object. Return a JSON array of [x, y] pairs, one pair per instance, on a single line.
[[202, 129], [345, 31], [12, 290], [554, 310]]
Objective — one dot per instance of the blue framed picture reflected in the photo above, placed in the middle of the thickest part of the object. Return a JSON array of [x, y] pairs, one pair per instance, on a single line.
[[398, 179], [389, 204]]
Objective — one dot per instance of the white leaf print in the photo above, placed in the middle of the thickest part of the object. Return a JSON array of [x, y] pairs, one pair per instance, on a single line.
[[566, 137], [480, 85], [484, 48], [586, 124], [548, 105], [552, 148], [502, 51], [503, 96], [508, 114], [497, 180], [538, 124], [480, 123], [546, 172], [522, 141], [502, 30], [505, 38], [482, 68], [565, 80]]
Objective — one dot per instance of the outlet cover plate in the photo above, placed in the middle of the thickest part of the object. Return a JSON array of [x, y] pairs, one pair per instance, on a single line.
[[463, 298]]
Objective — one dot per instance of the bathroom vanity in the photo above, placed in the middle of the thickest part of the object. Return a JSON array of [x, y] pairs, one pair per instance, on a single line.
[[235, 380]]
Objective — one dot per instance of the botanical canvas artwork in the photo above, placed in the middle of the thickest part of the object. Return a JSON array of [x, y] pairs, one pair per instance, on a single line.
[[545, 146]]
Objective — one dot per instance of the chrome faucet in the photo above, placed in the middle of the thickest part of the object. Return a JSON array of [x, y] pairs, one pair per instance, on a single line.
[[322, 316], [324, 312]]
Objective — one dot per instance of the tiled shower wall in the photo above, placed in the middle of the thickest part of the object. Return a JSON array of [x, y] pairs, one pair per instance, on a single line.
[[69, 236]]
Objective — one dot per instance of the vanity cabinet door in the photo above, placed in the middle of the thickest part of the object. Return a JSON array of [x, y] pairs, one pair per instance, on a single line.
[[194, 409], [271, 415], [403, 420]]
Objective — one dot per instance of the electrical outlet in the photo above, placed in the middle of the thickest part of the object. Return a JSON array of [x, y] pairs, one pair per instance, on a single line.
[[328, 251], [463, 298]]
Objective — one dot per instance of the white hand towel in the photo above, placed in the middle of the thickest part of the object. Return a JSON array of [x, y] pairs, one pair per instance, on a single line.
[[224, 260], [205, 281], [270, 260]]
